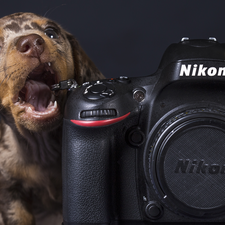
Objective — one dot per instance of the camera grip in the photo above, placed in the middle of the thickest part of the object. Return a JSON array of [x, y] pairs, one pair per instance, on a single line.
[[86, 175]]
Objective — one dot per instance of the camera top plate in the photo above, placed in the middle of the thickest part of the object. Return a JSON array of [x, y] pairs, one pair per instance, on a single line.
[[193, 49]]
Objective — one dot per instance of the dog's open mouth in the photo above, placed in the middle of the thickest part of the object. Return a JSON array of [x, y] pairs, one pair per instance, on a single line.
[[36, 97]]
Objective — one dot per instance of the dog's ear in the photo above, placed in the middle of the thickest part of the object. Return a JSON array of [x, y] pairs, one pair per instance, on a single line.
[[85, 69]]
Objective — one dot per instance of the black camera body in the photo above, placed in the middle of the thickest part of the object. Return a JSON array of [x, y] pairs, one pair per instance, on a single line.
[[149, 149]]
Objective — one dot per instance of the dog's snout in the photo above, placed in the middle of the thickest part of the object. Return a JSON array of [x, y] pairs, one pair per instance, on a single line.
[[31, 45]]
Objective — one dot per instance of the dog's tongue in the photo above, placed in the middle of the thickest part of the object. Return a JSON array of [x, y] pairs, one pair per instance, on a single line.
[[37, 94]]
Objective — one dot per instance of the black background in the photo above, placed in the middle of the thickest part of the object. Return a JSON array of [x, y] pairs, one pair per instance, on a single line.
[[128, 37]]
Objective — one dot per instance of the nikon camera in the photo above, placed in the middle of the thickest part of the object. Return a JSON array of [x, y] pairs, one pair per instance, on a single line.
[[149, 149]]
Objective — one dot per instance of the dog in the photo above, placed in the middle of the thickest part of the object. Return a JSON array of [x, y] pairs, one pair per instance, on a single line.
[[35, 53]]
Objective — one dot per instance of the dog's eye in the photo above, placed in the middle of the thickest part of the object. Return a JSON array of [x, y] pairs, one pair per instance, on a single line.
[[51, 33]]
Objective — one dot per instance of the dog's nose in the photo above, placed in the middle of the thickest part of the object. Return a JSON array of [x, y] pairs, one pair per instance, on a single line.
[[32, 45]]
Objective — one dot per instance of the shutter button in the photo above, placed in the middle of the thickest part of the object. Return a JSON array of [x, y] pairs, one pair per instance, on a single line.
[[97, 89]]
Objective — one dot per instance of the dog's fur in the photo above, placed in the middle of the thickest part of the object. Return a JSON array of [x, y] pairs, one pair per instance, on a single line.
[[35, 53]]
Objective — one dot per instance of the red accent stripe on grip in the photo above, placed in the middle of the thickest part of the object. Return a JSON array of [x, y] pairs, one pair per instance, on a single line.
[[99, 123]]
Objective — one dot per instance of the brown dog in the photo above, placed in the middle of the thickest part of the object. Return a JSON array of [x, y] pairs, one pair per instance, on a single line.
[[35, 53]]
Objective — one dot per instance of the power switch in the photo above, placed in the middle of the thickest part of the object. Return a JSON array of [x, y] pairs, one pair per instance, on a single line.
[[98, 91]]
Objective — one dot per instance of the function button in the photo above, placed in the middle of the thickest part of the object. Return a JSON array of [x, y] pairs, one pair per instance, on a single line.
[[111, 80], [135, 136], [98, 113], [212, 39], [154, 210], [185, 39], [123, 79]]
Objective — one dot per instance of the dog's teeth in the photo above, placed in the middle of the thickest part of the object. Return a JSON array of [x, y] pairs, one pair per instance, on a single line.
[[29, 109], [49, 64], [55, 104], [50, 104]]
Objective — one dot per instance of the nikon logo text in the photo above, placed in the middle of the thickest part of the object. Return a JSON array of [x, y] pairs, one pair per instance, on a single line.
[[198, 166], [201, 70]]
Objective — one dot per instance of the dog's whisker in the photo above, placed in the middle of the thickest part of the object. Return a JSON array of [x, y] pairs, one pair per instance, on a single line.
[[8, 76], [5, 71], [4, 77], [8, 67], [52, 9], [61, 53]]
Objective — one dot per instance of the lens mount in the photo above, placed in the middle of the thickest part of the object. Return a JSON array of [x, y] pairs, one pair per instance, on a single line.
[[186, 162]]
